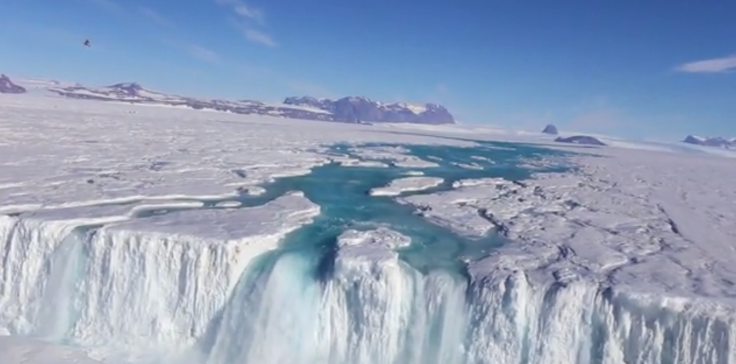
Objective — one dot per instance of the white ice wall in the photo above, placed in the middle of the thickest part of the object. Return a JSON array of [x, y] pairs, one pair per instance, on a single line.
[[155, 293], [129, 290]]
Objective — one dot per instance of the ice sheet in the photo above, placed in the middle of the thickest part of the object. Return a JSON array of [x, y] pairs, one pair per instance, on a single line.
[[635, 249]]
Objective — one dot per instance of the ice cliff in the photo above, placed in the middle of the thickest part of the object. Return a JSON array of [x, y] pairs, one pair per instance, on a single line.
[[147, 284], [215, 302]]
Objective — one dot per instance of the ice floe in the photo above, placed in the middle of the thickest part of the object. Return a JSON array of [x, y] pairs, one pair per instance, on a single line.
[[408, 184]]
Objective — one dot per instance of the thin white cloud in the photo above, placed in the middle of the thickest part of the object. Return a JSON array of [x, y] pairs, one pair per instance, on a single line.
[[249, 18], [245, 10], [250, 12], [715, 65], [155, 17], [203, 53], [194, 50], [257, 36]]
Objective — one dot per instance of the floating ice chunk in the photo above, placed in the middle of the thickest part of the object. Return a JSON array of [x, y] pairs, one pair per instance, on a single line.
[[398, 156], [229, 204], [479, 181], [481, 158], [468, 165], [398, 186], [351, 162], [414, 163]]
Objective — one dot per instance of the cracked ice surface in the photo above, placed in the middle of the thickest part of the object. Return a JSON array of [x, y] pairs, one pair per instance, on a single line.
[[651, 221], [637, 247]]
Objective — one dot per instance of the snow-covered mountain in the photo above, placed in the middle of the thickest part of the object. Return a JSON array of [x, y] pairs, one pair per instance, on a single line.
[[719, 142], [127, 91], [348, 109], [362, 109], [8, 87]]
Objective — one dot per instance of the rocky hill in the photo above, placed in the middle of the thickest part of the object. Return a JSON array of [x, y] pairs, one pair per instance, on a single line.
[[8, 87], [718, 142]]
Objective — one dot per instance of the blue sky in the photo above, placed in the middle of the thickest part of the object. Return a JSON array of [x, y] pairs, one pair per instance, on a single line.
[[650, 68]]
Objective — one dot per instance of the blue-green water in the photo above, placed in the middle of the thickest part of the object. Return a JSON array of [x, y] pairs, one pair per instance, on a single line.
[[342, 194], [286, 297]]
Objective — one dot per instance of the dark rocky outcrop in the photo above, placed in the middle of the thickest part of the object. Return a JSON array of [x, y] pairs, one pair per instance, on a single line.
[[718, 142], [550, 129], [8, 87], [580, 139]]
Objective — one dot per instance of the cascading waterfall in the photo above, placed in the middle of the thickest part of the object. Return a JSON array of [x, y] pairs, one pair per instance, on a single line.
[[366, 311]]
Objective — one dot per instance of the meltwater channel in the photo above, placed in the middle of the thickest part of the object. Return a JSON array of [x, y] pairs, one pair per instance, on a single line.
[[310, 303]]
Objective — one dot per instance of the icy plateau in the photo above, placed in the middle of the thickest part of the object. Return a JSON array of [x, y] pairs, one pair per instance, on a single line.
[[140, 234]]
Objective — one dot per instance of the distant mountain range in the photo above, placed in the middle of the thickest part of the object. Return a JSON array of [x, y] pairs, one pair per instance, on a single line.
[[359, 109], [347, 109], [711, 141]]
